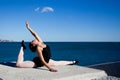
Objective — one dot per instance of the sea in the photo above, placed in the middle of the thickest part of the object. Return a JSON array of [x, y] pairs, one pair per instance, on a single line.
[[87, 53]]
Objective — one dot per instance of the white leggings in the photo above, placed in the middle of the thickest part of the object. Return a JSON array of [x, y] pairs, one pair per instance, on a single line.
[[30, 64]]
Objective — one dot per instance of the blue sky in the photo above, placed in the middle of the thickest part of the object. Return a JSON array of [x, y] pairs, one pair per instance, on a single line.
[[61, 20]]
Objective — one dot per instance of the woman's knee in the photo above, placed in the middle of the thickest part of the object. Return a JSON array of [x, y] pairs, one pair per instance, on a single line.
[[26, 64], [18, 65]]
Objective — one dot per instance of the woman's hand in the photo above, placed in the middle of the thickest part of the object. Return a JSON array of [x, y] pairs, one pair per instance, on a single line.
[[27, 25], [53, 70]]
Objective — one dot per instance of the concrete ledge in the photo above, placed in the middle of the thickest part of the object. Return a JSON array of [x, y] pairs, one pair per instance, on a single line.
[[64, 73]]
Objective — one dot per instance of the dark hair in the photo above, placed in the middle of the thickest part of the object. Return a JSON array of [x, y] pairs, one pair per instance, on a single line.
[[32, 48]]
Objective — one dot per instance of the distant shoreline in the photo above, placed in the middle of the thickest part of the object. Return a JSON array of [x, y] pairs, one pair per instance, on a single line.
[[65, 41], [6, 40]]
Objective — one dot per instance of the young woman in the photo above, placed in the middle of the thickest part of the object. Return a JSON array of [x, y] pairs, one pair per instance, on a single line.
[[43, 52]]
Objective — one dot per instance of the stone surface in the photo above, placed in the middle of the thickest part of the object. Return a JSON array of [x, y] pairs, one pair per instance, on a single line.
[[42, 73]]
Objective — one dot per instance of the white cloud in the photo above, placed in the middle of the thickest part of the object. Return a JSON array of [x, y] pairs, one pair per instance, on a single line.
[[47, 9], [37, 9]]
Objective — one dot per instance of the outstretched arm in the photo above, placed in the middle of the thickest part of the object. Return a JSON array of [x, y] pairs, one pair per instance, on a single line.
[[33, 32], [43, 61]]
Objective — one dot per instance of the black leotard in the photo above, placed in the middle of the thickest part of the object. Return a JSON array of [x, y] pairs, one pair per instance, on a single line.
[[46, 54]]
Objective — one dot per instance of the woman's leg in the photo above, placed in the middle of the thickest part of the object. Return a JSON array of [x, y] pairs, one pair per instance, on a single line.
[[56, 63], [20, 61]]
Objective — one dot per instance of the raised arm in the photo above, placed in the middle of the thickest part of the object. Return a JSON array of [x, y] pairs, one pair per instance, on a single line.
[[33, 32]]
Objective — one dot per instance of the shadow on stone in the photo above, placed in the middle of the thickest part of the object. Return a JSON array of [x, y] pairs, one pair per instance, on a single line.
[[11, 64], [1, 79], [112, 69]]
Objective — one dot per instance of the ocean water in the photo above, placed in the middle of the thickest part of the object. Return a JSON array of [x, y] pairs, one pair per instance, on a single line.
[[88, 53]]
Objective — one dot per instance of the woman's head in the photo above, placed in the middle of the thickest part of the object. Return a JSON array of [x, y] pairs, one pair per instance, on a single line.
[[33, 45]]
